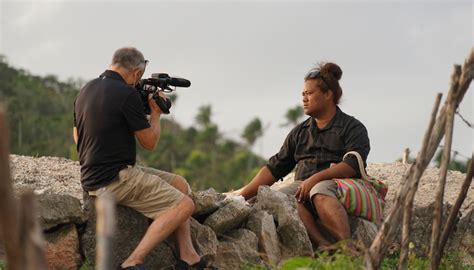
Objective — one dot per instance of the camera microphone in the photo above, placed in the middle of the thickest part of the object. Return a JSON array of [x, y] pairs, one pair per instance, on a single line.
[[179, 82]]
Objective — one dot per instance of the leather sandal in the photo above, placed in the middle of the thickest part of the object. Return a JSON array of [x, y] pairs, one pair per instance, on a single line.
[[202, 264]]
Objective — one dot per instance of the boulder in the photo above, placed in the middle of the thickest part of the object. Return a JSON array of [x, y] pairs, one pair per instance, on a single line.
[[206, 201], [204, 240], [262, 224], [363, 231], [62, 248], [131, 226], [237, 248], [228, 217], [293, 237], [55, 209], [462, 240]]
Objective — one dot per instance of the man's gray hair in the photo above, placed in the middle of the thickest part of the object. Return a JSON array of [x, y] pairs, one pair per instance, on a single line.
[[129, 58]]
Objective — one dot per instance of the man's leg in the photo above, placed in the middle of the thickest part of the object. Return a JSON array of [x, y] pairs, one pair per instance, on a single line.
[[333, 216], [317, 239], [163, 225], [182, 234]]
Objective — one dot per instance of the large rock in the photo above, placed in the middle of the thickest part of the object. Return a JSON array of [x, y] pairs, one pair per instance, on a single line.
[[229, 217], [206, 201], [422, 224], [62, 248], [291, 231], [263, 225], [54, 210], [363, 231], [131, 226], [237, 248], [463, 239], [204, 240]]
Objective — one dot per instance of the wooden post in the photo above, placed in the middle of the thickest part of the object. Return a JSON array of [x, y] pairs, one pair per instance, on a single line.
[[422, 163], [391, 222], [105, 209], [449, 225], [406, 156], [378, 247], [9, 219], [31, 237], [438, 203]]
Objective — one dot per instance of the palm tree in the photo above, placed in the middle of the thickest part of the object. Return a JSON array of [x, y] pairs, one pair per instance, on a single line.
[[293, 116], [203, 118], [252, 131]]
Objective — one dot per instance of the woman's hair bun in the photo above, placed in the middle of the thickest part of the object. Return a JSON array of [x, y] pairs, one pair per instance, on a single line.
[[332, 70]]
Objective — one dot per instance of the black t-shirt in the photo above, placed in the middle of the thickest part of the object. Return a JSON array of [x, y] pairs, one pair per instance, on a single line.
[[314, 149], [107, 112]]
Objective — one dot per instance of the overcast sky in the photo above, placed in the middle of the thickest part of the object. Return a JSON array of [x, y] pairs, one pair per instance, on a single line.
[[247, 59]]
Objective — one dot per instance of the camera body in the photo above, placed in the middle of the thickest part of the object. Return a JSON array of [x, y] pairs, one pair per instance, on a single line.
[[156, 83]]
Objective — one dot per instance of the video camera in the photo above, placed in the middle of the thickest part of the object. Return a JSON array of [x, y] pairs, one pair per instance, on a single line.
[[159, 82]]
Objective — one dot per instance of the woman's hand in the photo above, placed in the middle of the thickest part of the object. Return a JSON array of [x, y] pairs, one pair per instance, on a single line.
[[302, 193]]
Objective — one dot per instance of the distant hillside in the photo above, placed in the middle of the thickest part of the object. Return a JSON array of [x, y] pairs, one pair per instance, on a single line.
[[41, 118]]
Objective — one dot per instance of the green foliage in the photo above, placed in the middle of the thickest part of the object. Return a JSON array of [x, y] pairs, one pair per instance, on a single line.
[[40, 113], [293, 116], [87, 265], [252, 131], [39, 110], [3, 265], [454, 164], [324, 262], [340, 261]]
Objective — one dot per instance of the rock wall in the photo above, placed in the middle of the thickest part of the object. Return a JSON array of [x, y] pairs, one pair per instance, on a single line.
[[229, 232]]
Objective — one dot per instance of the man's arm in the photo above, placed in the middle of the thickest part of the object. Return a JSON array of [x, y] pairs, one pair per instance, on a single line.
[[149, 137], [341, 170], [263, 177]]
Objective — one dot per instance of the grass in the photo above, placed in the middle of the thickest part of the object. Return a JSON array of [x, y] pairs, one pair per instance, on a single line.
[[339, 261], [87, 266]]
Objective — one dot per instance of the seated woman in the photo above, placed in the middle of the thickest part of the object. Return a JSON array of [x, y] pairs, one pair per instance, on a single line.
[[312, 146]]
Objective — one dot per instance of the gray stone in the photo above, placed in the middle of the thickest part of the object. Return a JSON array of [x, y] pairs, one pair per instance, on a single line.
[[131, 226], [462, 238], [237, 248], [263, 225], [206, 201], [204, 240], [54, 210], [293, 237], [363, 231], [228, 217]]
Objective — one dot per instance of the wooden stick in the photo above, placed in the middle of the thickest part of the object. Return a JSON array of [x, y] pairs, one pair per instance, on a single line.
[[466, 76], [105, 208], [448, 227], [406, 156], [438, 203], [8, 204], [378, 247], [31, 237], [390, 224], [422, 161]]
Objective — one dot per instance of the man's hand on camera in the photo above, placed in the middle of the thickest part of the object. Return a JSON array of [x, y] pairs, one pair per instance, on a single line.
[[154, 108]]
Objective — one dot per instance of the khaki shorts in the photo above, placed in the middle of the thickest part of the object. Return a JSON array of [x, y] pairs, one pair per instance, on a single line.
[[326, 187], [145, 190]]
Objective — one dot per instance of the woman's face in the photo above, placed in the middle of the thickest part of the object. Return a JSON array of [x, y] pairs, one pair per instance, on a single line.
[[315, 102]]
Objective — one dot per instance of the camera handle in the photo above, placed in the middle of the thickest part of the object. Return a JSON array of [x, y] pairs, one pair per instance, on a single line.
[[164, 104]]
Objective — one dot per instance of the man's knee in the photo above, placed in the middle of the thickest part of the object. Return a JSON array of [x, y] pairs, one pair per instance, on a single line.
[[187, 205], [181, 184]]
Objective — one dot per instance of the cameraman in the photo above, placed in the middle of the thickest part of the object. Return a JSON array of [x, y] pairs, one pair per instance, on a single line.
[[108, 115]]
